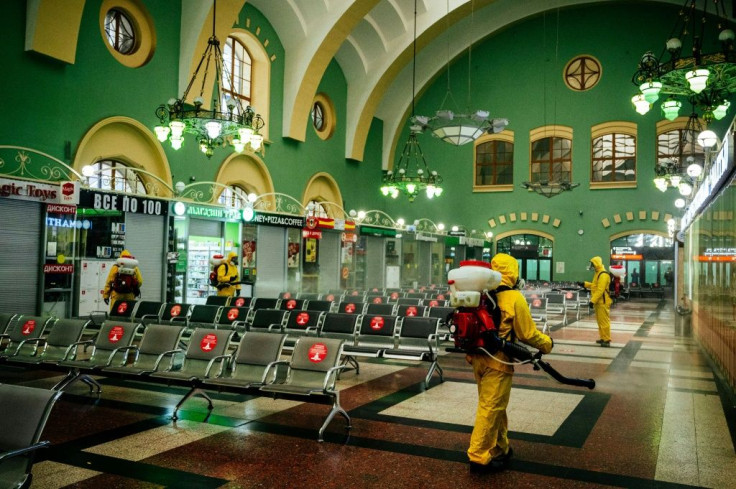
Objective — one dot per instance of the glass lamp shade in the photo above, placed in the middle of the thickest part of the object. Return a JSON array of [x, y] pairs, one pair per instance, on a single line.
[[458, 134], [698, 79], [675, 180], [694, 170], [671, 109], [177, 130], [685, 188], [680, 203], [238, 145], [640, 103], [651, 90], [660, 183], [176, 142], [245, 133], [162, 132], [707, 139], [213, 129], [720, 111], [256, 141]]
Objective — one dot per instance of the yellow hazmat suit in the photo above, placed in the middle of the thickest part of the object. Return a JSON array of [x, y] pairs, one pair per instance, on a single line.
[[600, 299], [228, 274], [112, 296], [490, 433]]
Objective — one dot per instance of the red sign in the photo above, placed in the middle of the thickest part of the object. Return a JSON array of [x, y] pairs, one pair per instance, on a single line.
[[433, 303], [394, 295], [377, 323], [330, 297], [626, 257], [317, 352], [175, 310], [411, 291], [115, 334], [310, 233], [349, 237], [122, 307], [311, 222], [302, 319], [377, 300], [61, 209], [719, 258], [232, 314], [568, 295], [355, 292], [28, 327], [239, 302], [67, 189], [209, 341], [350, 308], [291, 304], [58, 268], [441, 297], [287, 295], [411, 311], [537, 303]]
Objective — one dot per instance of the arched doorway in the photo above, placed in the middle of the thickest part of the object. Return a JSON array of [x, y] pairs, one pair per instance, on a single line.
[[648, 257], [533, 250]]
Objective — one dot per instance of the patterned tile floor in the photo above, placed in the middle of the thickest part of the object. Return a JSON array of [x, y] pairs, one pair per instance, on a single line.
[[659, 417]]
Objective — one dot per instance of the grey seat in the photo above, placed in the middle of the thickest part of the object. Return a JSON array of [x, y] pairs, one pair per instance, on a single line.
[[217, 300], [251, 362], [58, 345], [107, 348], [174, 311], [147, 312], [320, 305], [21, 334], [341, 326], [159, 341], [25, 412], [312, 372], [233, 318], [203, 316], [267, 320], [122, 310], [291, 304], [387, 309], [348, 306], [418, 339], [206, 346], [375, 334], [5, 318], [408, 310]]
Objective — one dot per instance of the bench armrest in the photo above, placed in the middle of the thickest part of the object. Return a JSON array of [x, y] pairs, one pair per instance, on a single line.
[[23, 451], [272, 366], [73, 346], [331, 377], [171, 353], [121, 349], [221, 358]]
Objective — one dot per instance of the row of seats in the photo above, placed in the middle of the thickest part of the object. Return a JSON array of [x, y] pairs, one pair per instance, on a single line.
[[368, 295]]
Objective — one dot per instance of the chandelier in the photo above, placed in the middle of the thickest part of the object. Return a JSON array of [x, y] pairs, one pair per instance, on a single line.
[[683, 175], [548, 188], [458, 128], [707, 79], [412, 175], [225, 122]]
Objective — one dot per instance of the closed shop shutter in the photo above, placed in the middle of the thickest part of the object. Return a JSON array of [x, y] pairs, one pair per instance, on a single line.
[[329, 261], [145, 238], [375, 260], [270, 261], [20, 250], [424, 261], [204, 227]]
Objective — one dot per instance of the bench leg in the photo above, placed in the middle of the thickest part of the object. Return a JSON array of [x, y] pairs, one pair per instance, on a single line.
[[336, 408], [70, 377], [92, 383], [193, 392], [434, 366], [353, 362]]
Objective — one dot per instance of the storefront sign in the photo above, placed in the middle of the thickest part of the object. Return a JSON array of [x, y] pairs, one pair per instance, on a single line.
[[65, 193], [61, 209], [68, 223], [472, 241], [311, 233], [123, 203], [719, 251], [425, 237], [219, 213], [282, 220], [349, 238], [623, 250], [459, 232], [58, 268], [371, 231], [626, 257], [716, 258]]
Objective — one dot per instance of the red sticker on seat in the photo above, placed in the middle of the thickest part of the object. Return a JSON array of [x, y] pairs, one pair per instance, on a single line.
[[394, 295], [377, 300], [239, 302], [411, 311], [374, 289], [287, 295], [355, 292], [317, 352], [433, 303], [122, 307], [175, 310], [291, 304], [350, 308], [330, 298], [115, 334], [208, 342], [568, 295], [232, 314], [441, 297], [536, 303], [28, 327], [377, 323], [302, 319]]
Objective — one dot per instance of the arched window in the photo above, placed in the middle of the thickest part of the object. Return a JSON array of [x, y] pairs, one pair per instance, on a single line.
[[316, 209], [234, 197], [551, 159], [676, 147], [237, 72], [119, 30], [114, 175], [613, 159], [494, 162]]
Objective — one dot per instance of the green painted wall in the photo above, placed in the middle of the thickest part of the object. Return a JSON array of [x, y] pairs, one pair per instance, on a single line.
[[517, 74]]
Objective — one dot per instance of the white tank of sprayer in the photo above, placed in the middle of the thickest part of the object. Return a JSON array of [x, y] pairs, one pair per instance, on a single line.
[[617, 271], [217, 260], [126, 265], [468, 282]]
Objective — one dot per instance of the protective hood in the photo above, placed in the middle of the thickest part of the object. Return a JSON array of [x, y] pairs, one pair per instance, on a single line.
[[508, 267], [597, 263], [125, 254], [231, 256]]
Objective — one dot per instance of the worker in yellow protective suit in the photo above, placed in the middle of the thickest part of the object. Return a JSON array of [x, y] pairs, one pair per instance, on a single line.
[[489, 449], [123, 281], [600, 299], [228, 274]]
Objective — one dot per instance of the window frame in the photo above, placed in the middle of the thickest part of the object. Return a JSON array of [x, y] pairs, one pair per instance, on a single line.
[[614, 127], [233, 42], [679, 125], [550, 132], [506, 136], [118, 170]]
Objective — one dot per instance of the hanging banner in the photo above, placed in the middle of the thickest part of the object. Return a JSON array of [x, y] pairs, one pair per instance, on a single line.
[[139, 204], [64, 193]]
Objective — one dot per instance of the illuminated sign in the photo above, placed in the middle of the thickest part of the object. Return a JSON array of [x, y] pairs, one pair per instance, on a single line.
[[65, 193], [123, 203], [219, 213], [279, 220], [61, 209], [311, 233], [68, 223], [626, 257], [58, 268], [716, 258]]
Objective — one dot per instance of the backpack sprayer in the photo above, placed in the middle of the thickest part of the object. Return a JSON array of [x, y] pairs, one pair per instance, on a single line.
[[473, 324]]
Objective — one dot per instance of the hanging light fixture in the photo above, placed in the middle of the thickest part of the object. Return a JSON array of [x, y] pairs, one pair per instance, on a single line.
[[226, 122], [411, 175], [707, 79], [454, 127], [683, 170]]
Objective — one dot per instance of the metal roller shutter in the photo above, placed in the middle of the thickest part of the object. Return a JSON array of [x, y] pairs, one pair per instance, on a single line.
[[204, 227], [270, 261], [425, 262], [20, 262], [329, 261], [375, 262], [145, 237]]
